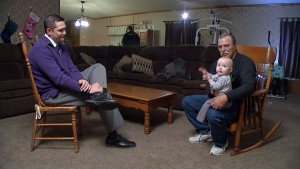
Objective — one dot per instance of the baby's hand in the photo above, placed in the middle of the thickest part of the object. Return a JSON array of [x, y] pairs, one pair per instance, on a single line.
[[203, 70], [208, 76]]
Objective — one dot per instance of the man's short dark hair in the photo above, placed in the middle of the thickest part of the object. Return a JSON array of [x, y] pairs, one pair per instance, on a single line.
[[130, 27], [50, 21], [225, 34]]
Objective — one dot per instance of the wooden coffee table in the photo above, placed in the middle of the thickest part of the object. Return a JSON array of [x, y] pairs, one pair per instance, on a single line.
[[143, 98]]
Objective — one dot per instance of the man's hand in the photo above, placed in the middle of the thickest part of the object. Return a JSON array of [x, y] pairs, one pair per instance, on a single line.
[[96, 87], [219, 102], [84, 85], [212, 91]]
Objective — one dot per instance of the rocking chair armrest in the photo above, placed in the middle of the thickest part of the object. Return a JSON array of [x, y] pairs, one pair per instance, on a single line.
[[259, 92]]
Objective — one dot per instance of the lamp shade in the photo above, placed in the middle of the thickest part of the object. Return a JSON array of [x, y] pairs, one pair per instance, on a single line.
[[82, 21]]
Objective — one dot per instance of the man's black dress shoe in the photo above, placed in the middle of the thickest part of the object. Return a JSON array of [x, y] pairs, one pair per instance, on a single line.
[[119, 142], [100, 99]]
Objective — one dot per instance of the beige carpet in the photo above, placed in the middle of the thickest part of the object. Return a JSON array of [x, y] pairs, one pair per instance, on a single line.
[[166, 147]]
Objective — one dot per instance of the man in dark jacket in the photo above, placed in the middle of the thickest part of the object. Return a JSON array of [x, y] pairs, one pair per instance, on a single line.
[[243, 79], [130, 38]]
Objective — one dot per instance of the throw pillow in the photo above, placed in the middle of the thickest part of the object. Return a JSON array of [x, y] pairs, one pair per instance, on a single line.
[[142, 65], [124, 61], [127, 67], [88, 59]]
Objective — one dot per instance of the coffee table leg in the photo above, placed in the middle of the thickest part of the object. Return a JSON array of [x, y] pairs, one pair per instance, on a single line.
[[147, 122], [170, 114]]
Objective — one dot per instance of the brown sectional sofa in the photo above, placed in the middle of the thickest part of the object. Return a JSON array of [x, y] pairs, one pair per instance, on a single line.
[[15, 89], [16, 95], [194, 57]]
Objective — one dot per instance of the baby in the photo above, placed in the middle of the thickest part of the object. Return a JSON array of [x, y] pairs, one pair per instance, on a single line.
[[220, 83]]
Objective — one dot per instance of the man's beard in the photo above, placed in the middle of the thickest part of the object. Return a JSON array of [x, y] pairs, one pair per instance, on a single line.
[[225, 54]]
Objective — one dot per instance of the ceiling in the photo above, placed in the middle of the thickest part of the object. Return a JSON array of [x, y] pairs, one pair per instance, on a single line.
[[70, 9]]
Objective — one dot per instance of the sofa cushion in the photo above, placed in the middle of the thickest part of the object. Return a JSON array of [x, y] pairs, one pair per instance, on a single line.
[[82, 66], [210, 55], [190, 53], [175, 69], [135, 77], [10, 71], [142, 65], [8, 85], [159, 53], [98, 53], [159, 65], [191, 87], [195, 84], [16, 93], [124, 61], [87, 59], [127, 67], [10, 53], [174, 84], [15, 88], [115, 53], [112, 74], [172, 81], [16, 106]]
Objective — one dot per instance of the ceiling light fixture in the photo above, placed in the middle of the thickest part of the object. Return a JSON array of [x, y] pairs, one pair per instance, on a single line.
[[82, 21], [185, 15]]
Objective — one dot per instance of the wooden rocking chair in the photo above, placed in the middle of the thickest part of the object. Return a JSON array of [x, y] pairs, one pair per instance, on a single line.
[[252, 108]]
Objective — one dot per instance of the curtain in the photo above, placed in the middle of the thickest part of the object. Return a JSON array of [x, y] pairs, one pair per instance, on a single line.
[[180, 33], [289, 47]]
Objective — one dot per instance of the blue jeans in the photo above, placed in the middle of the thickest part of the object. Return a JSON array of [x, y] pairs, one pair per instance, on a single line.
[[217, 120]]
